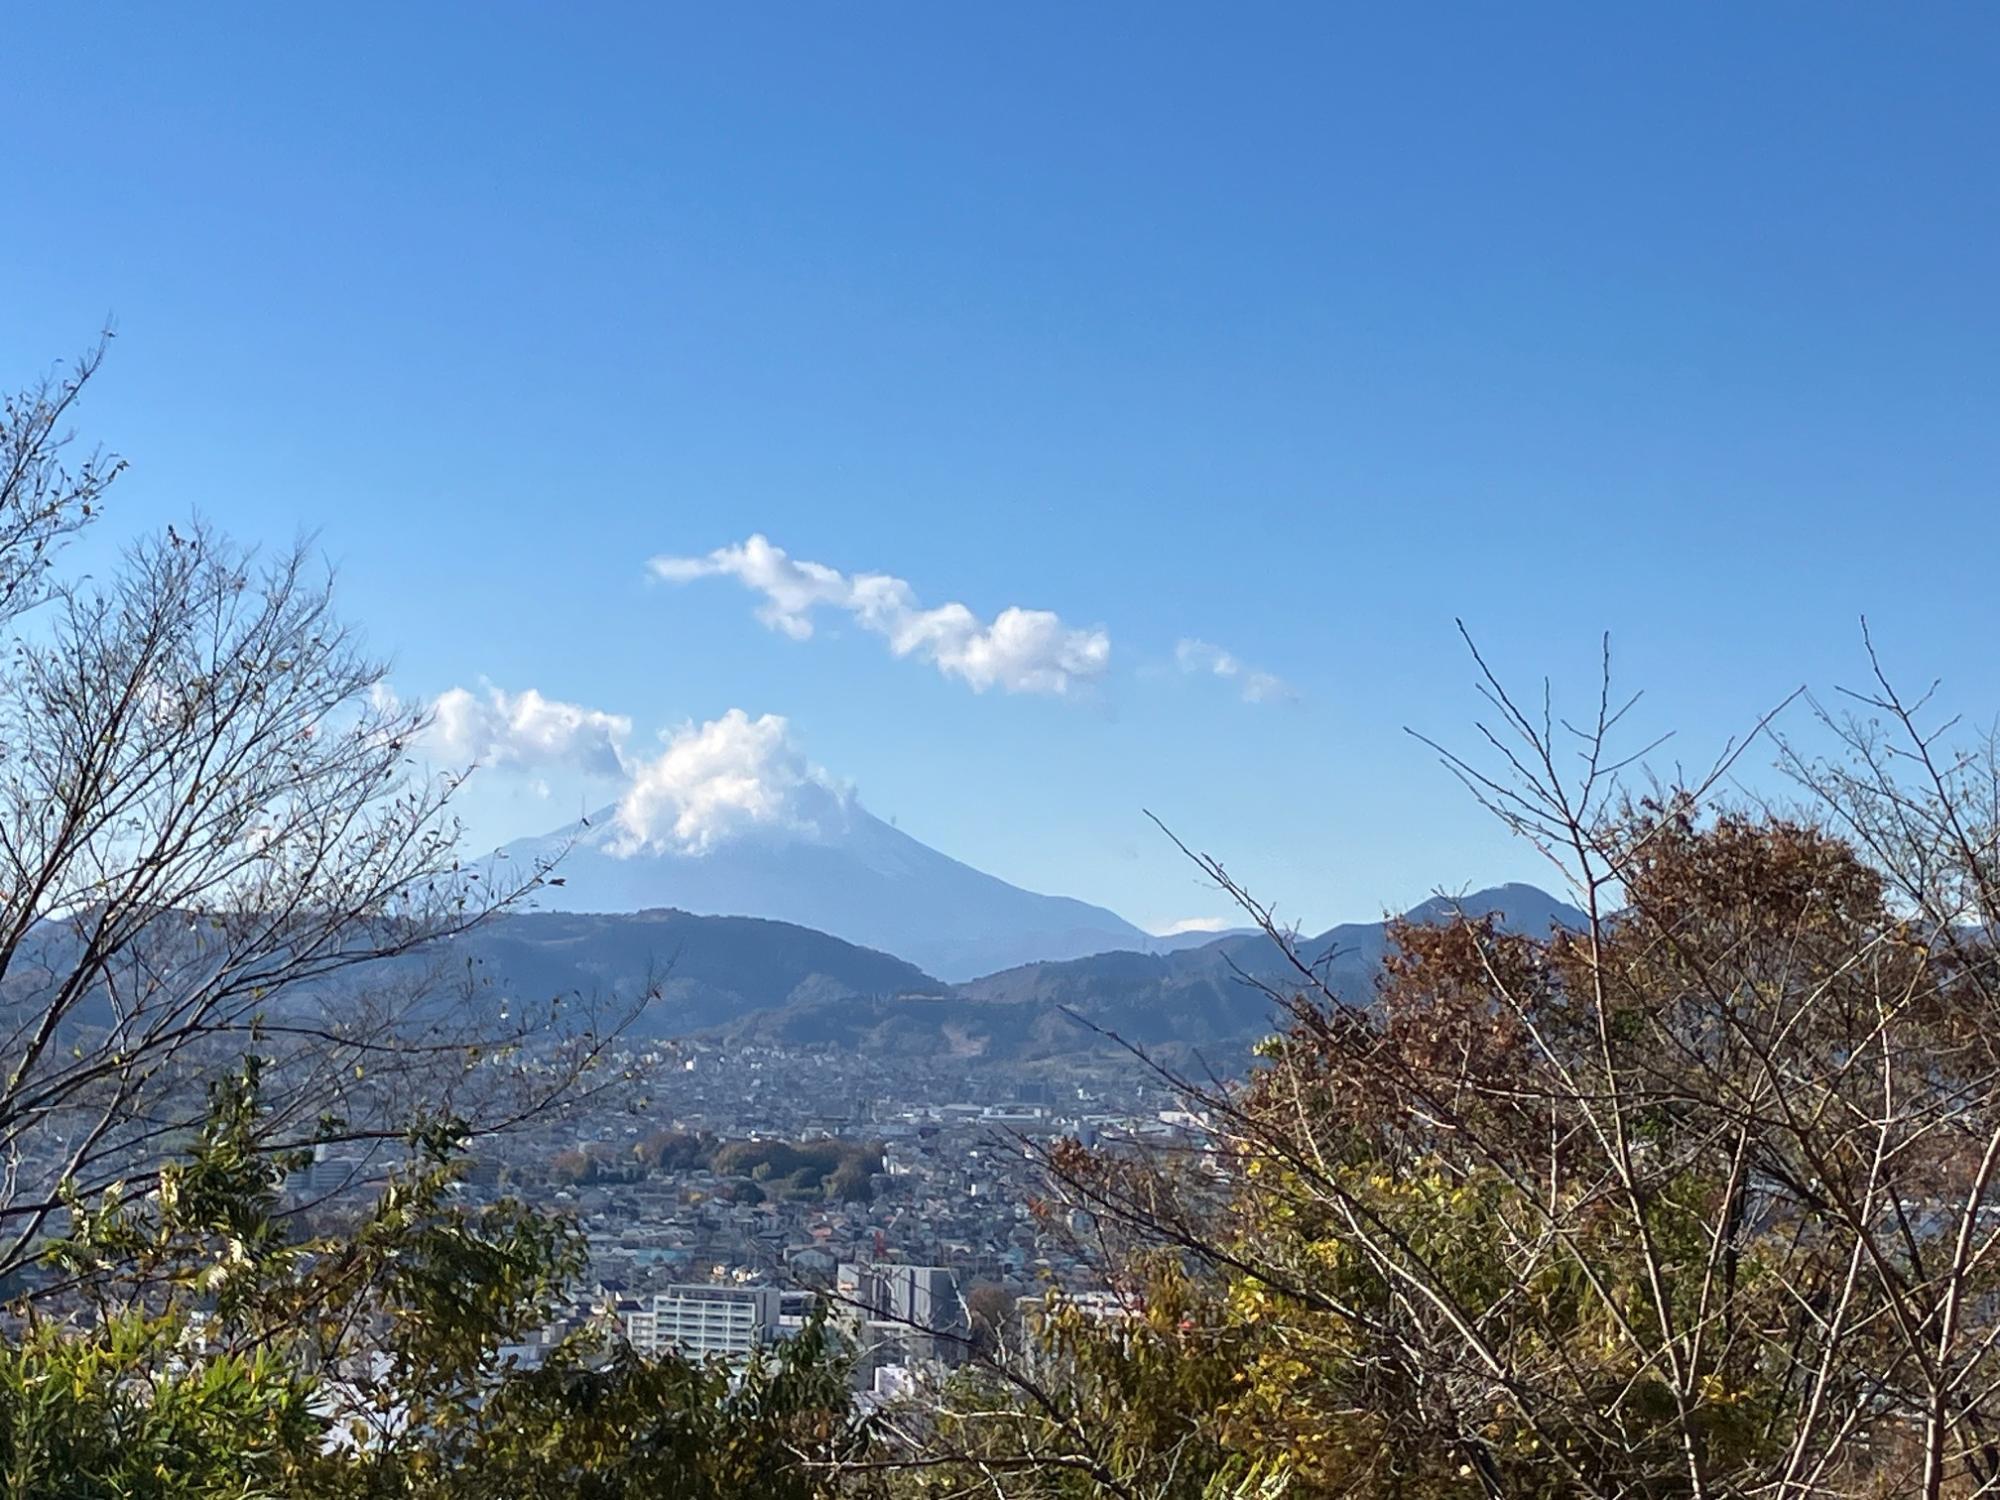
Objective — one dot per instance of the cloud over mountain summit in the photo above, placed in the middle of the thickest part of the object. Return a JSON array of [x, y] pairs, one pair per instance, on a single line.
[[716, 781], [710, 782]]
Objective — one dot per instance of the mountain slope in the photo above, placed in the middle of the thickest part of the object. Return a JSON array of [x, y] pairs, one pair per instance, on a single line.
[[709, 970], [1206, 997], [1345, 956], [757, 980], [864, 880]]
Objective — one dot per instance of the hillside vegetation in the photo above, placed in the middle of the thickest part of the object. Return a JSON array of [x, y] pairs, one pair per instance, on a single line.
[[842, 1170]]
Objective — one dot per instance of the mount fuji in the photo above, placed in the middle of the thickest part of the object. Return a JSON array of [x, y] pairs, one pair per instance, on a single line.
[[845, 872]]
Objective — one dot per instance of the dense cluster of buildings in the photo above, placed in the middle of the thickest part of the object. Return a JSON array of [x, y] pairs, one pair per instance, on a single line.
[[690, 1258]]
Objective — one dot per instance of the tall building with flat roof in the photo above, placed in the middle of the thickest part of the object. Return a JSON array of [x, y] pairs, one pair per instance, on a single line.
[[696, 1321], [901, 1313], [924, 1297]]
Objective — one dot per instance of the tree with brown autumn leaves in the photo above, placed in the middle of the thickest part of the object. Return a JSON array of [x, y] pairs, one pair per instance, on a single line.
[[1694, 1198]]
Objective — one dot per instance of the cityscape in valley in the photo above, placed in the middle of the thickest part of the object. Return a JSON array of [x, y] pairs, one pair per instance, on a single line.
[[798, 1120]]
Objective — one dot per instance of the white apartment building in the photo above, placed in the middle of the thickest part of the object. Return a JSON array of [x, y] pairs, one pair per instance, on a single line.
[[699, 1320]]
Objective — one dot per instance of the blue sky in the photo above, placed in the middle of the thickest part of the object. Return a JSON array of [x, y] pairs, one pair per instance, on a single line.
[[1295, 330]]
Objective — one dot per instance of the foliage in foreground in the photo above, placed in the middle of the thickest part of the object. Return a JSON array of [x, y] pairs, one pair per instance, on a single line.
[[207, 1353], [1695, 1199]]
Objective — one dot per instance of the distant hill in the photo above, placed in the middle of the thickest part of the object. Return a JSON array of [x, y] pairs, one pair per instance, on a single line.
[[753, 979], [861, 878], [711, 970], [1199, 998], [1346, 956]]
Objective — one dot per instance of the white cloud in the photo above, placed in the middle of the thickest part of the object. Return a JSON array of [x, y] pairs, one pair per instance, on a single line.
[[1019, 651], [719, 780], [526, 731], [1256, 686], [709, 783], [1194, 924]]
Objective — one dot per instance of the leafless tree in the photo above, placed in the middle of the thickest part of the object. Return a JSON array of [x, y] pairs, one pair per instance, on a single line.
[[216, 841]]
